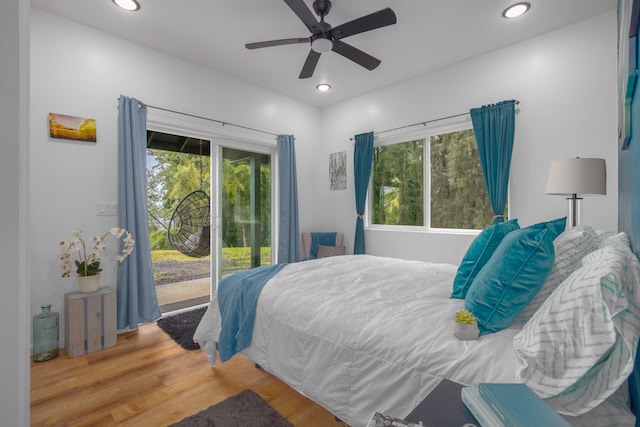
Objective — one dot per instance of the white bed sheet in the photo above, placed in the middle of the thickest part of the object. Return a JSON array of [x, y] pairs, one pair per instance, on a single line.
[[394, 342]]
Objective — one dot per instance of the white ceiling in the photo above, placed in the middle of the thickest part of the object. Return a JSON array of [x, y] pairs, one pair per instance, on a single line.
[[429, 34]]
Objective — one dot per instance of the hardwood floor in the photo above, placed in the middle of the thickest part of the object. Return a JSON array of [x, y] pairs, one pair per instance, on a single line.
[[148, 380]]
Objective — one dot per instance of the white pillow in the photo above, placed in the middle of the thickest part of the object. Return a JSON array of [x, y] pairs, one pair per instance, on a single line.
[[578, 348], [570, 247], [603, 234], [613, 239]]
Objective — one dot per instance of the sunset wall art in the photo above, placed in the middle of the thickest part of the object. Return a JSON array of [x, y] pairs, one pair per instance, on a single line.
[[71, 127]]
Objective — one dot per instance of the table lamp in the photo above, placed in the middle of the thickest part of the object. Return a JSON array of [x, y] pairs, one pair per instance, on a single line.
[[574, 177]]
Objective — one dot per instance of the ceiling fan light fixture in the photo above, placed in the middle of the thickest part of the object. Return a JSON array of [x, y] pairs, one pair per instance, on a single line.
[[323, 87], [516, 10], [321, 45], [130, 5]]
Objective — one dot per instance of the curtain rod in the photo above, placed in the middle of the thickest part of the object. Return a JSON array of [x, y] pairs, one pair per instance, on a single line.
[[424, 123], [209, 119]]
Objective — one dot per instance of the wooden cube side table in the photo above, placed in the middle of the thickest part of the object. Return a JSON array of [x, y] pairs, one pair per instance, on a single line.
[[90, 321]]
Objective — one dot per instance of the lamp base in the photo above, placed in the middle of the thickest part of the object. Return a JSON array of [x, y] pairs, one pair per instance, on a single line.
[[574, 218]]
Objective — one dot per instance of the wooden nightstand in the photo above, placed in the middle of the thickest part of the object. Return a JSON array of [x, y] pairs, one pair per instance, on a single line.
[[443, 407]]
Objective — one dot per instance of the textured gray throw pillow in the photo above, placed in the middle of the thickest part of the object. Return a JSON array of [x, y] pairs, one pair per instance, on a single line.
[[326, 251]]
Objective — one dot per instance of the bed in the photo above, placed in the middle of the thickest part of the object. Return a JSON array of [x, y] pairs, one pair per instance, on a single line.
[[360, 333]]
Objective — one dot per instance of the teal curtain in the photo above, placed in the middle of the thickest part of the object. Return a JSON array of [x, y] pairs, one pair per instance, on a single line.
[[136, 290], [288, 235], [362, 163], [494, 128]]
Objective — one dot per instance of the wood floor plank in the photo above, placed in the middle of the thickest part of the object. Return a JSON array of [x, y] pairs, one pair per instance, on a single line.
[[149, 380]]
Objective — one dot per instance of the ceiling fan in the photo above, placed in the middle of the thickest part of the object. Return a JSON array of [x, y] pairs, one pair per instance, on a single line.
[[325, 38]]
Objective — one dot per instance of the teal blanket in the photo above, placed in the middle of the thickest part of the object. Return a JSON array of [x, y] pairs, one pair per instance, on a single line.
[[237, 299]]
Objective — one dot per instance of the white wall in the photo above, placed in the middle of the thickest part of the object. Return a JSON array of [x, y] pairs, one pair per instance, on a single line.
[[566, 84], [78, 71], [14, 312]]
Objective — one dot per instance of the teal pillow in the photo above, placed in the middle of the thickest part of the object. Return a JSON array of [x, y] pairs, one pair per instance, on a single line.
[[557, 225], [478, 253], [512, 277]]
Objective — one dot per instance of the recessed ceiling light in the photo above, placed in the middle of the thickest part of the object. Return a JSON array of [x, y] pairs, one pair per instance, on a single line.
[[323, 87], [128, 4], [516, 10]]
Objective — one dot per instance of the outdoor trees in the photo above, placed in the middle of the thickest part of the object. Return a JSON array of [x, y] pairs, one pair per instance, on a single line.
[[457, 193], [398, 184], [171, 176]]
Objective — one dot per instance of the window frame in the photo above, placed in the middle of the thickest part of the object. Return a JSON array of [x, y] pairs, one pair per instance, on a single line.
[[425, 131]]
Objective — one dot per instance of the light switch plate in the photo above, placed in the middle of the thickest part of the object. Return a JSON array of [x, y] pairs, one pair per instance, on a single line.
[[106, 208]]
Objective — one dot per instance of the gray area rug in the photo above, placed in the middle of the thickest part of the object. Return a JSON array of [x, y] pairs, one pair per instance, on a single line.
[[246, 409], [181, 327]]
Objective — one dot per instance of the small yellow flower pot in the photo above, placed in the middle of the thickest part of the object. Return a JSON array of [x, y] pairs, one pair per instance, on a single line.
[[466, 326], [466, 331]]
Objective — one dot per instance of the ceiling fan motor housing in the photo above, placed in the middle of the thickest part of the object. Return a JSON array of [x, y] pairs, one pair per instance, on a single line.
[[322, 7]]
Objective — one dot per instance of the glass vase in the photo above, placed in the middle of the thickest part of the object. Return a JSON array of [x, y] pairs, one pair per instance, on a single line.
[[45, 334]]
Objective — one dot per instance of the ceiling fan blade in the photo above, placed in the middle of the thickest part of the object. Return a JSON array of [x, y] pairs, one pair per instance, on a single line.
[[276, 43], [304, 13], [378, 19], [309, 65], [356, 55]]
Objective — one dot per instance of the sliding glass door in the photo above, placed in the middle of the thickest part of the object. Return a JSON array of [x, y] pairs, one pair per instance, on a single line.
[[245, 210], [235, 169]]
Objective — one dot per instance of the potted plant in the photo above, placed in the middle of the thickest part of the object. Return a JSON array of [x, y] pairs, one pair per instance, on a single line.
[[466, 326], [87, 260]]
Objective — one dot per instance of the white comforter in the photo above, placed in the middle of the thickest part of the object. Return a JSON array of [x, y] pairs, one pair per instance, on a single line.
[[359, 334]]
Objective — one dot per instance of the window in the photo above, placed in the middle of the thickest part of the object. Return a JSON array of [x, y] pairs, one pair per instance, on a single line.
[[431, 180]]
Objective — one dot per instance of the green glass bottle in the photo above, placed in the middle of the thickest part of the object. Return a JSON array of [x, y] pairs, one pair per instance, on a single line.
[[45, 334]]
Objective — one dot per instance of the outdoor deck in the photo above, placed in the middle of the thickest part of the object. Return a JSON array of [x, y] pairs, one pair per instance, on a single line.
[[179, 295]]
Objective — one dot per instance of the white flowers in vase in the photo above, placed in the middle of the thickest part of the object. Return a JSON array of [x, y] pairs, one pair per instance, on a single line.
[[87, 259]]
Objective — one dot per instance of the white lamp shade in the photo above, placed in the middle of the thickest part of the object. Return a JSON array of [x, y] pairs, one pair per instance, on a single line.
[[577, 176]]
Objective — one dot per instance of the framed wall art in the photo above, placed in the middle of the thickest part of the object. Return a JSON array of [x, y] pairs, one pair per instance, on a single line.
[[70, 127], [338, 171]]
